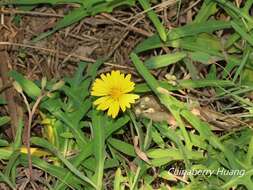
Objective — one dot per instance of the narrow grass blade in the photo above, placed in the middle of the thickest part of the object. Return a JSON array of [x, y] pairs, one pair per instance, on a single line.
[[235, 9], [36, 2], [4, 120], [45, 144], [16, 146], [5, 179], [207, 9], [178, 109], [98, 126], [182, 32], [72, 181], [85, 153], [154, 18], [242, 33], [117, 180], [186, 84], [243, 63], [170, 102]]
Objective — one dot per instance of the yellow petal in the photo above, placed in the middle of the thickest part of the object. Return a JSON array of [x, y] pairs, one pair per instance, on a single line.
[[126, 99], [113, 109], [103, 77], [103, 103], [107, 80], [99, 88], [127, 84]]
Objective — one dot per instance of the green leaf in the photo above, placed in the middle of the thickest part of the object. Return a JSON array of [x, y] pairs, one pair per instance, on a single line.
[[164, 60], [182, 32], [98, 126], [157, 138], [84, 153], [122, 146], [2, 101], [4, 120], [239, 29], [16, 146], [93, 68], [117, 180], [179, 109], [237, 11], [242, 65], [154, 18], [3, 142], [72, 181], [45, 144], [185, 84], [207, 9], [5, 179], [29, 87], [36, 2]]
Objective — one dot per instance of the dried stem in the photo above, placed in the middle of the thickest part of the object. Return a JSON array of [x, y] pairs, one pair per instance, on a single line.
[[31, 113], [9, 95]]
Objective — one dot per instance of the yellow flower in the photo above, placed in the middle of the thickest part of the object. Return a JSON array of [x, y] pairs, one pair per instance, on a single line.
[[113, 90]]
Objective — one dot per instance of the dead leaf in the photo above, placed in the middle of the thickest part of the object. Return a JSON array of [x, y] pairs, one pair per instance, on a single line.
[[142, 155]]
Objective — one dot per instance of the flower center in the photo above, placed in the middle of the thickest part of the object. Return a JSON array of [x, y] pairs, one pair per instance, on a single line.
[[116, 93]]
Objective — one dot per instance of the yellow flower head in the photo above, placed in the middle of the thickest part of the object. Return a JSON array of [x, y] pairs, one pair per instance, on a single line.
[[113, 89]]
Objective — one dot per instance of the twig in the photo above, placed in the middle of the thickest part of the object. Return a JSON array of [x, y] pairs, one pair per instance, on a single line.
[[82, 58], [130, 27], [190, 7], [126, 32], [5, 87], [31, 13], [31, 113], [162, 5], [9, 95]]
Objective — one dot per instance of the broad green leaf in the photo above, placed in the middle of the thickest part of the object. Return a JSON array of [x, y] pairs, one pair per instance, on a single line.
[[164, 60], [203, 57], [29, 87], [157, 138], [122, 146]]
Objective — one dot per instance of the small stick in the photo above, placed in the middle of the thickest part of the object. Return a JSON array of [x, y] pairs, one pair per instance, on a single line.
[[82, 58], [31, 112], [9, 93]]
